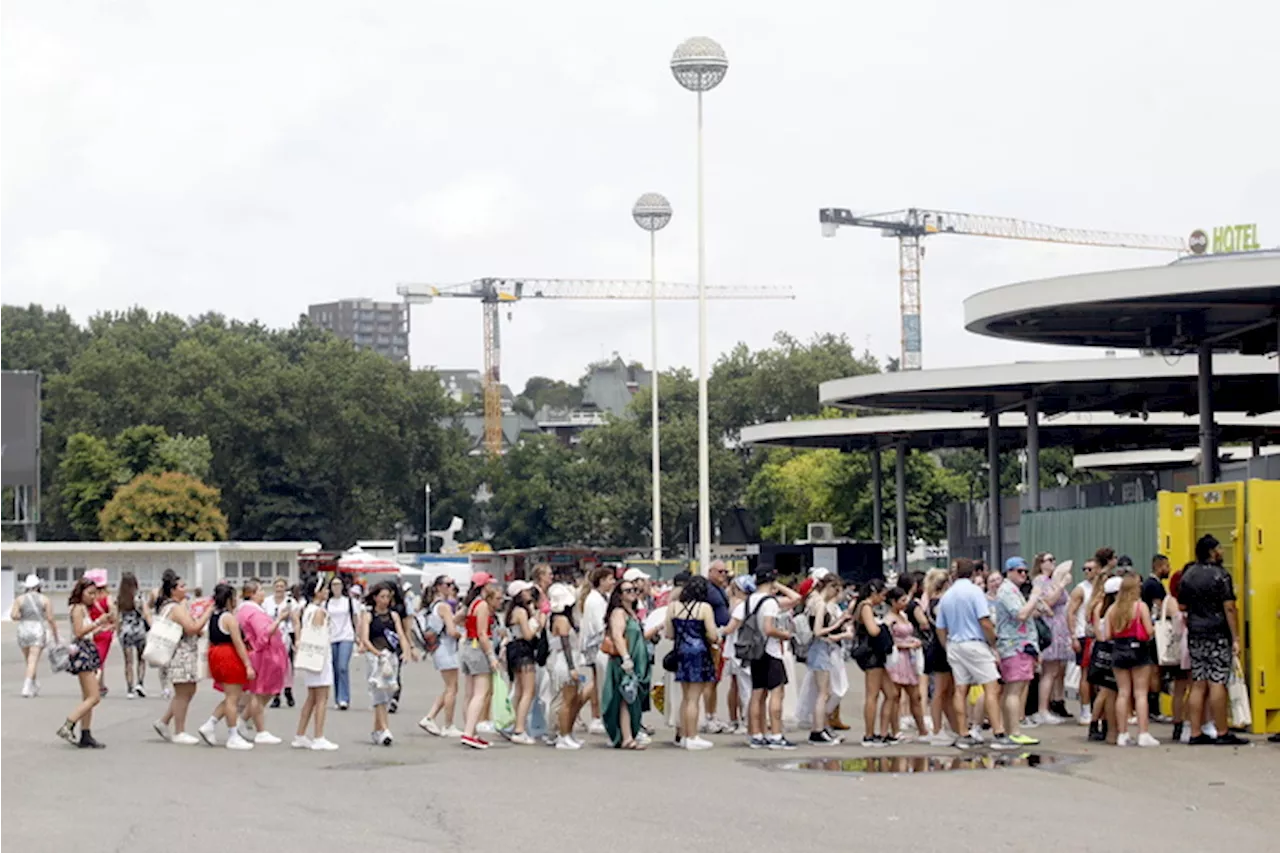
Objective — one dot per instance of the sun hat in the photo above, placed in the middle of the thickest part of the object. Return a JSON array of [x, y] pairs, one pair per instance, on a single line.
[[561, 596], [32, 581], [516, 587]]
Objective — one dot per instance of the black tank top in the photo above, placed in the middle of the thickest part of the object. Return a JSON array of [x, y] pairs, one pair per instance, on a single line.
[[381, 628], [217, 636]]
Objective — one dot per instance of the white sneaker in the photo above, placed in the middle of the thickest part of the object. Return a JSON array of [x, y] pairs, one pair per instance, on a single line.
[[234, 741], [128, 694], [430, 726], [322, 745], [522, 739], [300, 742], [28, 689], [266, 739], [565, 742], [1086, 716], [1145, 739], [643, 739], [1208, 728], [695, 744], [941, 739], [1028, 723], [596, 727], [209, 732], [451, 731], [375, 738], [162, 729], [486, 727], [35, 687], [907, 722], [1124, 740], [386, 737], [1048, 718], [184, 739], [1186, 734], [975, 732]]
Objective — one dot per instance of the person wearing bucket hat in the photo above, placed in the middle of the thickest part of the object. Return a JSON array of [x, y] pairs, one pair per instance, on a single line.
[[34, 614], [563, 665]]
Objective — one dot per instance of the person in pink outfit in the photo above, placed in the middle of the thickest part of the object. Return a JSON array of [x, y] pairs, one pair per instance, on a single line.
[[267, 655], [102, 606]]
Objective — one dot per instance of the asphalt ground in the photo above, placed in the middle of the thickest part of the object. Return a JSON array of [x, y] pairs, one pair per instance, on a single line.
[[143, 795]]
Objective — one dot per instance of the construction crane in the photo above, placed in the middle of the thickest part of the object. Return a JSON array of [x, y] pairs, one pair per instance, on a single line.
[[910, 225], [493, 292]]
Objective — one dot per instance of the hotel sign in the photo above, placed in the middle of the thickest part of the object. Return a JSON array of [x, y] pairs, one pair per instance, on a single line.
[[1225, 238]]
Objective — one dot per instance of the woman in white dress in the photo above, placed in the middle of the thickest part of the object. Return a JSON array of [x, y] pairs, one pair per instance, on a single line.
[[316, 615], [34, 613]]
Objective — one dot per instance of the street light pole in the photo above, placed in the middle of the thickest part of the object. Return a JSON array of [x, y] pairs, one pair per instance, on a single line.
[[426, 527], [699, 64], [652, 212]]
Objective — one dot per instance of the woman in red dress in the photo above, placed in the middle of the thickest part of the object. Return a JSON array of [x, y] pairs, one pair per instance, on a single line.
[[101, 606]]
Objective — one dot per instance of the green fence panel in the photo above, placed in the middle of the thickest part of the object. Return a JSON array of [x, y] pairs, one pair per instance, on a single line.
[[1075, 534]]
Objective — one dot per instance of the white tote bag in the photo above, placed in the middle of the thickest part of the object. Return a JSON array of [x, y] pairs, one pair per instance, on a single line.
[[162, 640], [1168, 639], [1238, 696], [313, 647]]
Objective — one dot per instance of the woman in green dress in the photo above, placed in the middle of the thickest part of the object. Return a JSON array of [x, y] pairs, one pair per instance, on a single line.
[[628, 672]]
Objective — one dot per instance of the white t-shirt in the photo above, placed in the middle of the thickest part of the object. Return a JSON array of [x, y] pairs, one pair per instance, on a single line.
[[341, 628], [593, 610], [273, 610], [769, 608]]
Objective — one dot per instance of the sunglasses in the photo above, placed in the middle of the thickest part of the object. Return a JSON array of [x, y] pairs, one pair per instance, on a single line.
[[627, 589]]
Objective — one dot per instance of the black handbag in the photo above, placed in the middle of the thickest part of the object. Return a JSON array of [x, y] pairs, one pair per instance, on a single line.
[[1044, 634], [1101, 659]]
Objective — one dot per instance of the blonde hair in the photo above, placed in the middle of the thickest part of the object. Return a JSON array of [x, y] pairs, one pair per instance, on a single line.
[[933, 581], [1120, 616]]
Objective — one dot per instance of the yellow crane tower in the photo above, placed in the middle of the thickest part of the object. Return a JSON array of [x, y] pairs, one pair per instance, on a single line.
[[493, 292], [913, 224]]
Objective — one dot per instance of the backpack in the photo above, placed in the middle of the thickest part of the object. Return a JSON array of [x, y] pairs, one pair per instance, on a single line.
[[801, 636], [751, 638]]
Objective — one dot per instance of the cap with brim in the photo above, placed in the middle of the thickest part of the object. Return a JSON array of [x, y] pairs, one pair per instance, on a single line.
[[481, 579], [1112, 586], [32, 581], [516, 587], [98, 577], [561, 596], [746, 583], [1014, 563], [819, 572], [634, 575]]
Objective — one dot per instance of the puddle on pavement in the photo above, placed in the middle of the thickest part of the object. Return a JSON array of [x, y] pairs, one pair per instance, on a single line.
[[372, 765], [927, 763]]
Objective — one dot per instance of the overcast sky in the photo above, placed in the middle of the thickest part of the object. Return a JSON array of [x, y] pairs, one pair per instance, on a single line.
[[253, 157]]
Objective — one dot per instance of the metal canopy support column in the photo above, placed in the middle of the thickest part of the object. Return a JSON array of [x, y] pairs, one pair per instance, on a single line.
[[1208, 437], [1033, 453], [877, 497], [993, 489], [900, 498]]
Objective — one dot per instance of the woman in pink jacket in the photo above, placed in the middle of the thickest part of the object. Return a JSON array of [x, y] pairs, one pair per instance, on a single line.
[[267, 654]]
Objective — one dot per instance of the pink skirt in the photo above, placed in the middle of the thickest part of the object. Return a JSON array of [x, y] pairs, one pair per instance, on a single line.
[[271, 666], [902, 668]]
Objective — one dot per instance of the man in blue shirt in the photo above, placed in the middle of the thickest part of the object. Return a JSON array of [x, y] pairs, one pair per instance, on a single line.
[[965, 630]]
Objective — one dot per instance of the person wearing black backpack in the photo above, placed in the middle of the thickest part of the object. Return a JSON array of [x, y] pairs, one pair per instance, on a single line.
[[760, 645]]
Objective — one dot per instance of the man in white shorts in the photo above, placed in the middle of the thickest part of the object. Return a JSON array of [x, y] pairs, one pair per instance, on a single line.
[[966, 631]]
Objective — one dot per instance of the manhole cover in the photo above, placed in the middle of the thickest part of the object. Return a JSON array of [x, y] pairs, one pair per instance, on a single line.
[[926, 763]]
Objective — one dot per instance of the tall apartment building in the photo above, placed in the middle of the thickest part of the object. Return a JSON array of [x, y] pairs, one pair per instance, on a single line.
[[379, 326]]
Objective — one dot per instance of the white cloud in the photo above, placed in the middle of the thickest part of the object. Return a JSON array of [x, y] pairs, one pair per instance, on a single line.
[[62, 268]]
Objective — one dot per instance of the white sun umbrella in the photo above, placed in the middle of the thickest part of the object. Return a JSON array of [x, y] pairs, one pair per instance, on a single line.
[[360, 562]]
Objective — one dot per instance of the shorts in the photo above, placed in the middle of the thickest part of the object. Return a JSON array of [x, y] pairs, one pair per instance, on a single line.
[[768, 673], [1127, 653], [225, 666], [445, 657], [1018, 667], [820, 656], [972, 662], [472, 659], [1210, 657]]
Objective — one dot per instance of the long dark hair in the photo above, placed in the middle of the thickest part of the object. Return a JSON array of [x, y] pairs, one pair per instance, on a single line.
[[77, 591], [127, 597], [615, 601], [223, 595], [371, 597], [168, 581], [516, 602], [436, 595], [694, 591]]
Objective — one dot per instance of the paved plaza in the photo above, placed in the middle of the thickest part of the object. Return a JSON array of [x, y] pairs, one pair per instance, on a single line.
[[142, 795]]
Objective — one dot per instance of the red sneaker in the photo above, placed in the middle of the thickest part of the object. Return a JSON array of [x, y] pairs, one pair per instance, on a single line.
[[474, 742]]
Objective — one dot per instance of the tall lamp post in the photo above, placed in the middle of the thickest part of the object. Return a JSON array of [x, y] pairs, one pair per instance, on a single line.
[[652, 212], [426, 526], [699, 64]]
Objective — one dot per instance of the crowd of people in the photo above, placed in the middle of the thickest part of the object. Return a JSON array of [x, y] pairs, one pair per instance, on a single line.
[[963, 657]]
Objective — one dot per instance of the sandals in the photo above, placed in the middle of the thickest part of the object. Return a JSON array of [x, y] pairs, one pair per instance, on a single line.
[[634, 745]]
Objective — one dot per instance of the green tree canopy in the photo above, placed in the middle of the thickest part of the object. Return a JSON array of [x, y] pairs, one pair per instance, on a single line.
[[168, 507]]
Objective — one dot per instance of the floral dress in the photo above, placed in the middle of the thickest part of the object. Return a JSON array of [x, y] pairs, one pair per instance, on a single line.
[[1060, 648]]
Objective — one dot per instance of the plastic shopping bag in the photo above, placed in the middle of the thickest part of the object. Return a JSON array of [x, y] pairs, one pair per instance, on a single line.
[[1238, 697], [500, 712]]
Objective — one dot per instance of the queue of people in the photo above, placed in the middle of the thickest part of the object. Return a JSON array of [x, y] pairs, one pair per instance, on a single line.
[[952, 655]]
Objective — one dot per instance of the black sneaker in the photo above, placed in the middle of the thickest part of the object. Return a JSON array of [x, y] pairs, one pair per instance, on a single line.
[[288, 696], [871, 741], [87, 742], [1097, 735], [1202, 739], [1060, 709], [1230, 739], [275, 703], [821, 738], [1177, 732], [758, 742], [781, 743]]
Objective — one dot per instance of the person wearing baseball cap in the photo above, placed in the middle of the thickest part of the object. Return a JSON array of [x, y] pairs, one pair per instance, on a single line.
[[477, 658], [1016, 645], [101, 606]]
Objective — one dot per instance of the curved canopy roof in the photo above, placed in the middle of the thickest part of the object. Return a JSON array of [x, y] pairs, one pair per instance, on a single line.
[[1161, 384], [1085, 432], [1232, 301]]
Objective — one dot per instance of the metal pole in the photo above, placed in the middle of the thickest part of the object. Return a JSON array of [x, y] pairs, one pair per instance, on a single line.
[[1208, 445], [426, 528], [1033, 453], [993, 489], [877, 497], [900, 498], [704, 457], [653, 384]]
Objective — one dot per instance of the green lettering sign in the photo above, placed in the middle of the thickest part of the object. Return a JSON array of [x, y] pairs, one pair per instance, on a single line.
[[1235, 238]]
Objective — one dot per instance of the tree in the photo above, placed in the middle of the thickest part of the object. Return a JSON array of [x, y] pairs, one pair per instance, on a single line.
[[88, 475], [168, 507]]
